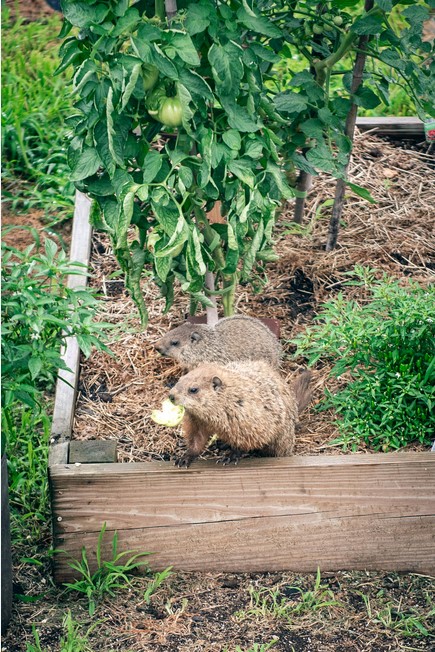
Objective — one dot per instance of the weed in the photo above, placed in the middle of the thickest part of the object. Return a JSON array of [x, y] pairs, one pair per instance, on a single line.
[[34, 107], [109, 576], [159, 578], [270, 603], [405, 620], [256, 647], [72, 641], [386, 346]]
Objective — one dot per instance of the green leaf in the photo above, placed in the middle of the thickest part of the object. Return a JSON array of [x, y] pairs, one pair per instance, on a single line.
[[83, 14], [290, 102], [232, 139], [35, 366], [185, 49], [279, 178], [264, 52], [242, 171], [164, 65], [151, 166], [366, 98], [238, 117], [111, 133], [259, 24], [385, 5], [195, 83], [86, 164], [362, 192], [126, 23], [166, 209], [201, 267], [198, 17], [131, 85], [368, 25], [176, 241], [249, 258], [227, 67]]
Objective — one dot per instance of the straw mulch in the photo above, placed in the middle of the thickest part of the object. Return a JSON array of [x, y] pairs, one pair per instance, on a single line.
[[395, 235]]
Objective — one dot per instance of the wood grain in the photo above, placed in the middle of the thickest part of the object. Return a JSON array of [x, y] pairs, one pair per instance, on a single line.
[[399, 127], [92, 452], [336, 512], [66, 386]]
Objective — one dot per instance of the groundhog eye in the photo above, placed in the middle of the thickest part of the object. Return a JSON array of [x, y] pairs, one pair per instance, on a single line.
[[193, 390], [175, 343]]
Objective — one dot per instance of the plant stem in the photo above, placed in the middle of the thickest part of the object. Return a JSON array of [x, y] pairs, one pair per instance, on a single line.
[[160, 9], [212, 313], [228, 297], [357, 76]]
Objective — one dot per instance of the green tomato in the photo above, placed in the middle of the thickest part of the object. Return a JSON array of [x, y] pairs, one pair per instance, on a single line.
[[150, 74], [170, 112], [317, 29], [154, 100], [338, 20]]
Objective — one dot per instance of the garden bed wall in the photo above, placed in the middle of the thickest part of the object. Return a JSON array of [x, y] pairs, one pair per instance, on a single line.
[[349, 512]]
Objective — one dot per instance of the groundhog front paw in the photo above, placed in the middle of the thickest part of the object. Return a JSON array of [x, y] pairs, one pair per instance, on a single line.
[[184, 461], [231, 457]]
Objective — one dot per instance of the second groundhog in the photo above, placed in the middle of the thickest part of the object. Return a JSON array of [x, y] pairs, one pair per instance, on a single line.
[[231, 339], [246, 404]]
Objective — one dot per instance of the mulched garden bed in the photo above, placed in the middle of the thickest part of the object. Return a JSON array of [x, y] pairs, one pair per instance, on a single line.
[[395, 235]]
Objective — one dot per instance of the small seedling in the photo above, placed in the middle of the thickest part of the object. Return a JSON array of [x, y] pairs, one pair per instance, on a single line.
[[159, 578], [110, 575], [73, 639]]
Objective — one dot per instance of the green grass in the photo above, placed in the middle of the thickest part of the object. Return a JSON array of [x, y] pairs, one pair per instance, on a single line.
[[34, 107], [73, 639]]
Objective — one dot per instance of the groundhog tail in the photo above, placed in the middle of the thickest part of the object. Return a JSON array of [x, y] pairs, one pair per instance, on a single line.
[[302, 391]]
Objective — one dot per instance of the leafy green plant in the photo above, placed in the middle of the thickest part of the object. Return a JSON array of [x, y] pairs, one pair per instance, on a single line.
[[386, 348], [271, 603], [110, 575], [39, 311], [34, 107], [72, 641], [212, 69]]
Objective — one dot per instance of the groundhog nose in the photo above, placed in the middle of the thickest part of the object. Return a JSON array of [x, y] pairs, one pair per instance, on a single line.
[[172, 397], [159, 348]]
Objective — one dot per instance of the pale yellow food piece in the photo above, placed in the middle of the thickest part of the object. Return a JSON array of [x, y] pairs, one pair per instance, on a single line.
[[170, 415]]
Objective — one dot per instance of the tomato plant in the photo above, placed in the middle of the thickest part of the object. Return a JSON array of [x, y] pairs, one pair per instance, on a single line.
[[217, 125]]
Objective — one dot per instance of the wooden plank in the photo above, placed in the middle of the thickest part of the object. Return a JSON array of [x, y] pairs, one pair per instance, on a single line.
[[66, 387], [397, 127], [94, 451], [341, 512], [58, 452]]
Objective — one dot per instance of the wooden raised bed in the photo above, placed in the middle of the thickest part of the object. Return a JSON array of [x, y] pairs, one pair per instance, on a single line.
[[373, 511]]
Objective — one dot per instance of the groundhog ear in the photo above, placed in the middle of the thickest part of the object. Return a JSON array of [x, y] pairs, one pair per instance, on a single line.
[[217, 383], [195, 337]]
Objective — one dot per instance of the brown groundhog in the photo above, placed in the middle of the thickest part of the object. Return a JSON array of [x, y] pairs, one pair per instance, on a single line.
[[246, 404], [231, 339]]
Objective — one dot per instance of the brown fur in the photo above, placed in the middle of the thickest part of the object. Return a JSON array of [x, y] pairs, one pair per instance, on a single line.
[[231, 339], [246, 404]]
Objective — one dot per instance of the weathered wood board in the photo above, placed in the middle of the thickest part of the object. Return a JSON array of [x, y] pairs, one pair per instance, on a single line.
[[404, 127], [374, 512], [66, 386]]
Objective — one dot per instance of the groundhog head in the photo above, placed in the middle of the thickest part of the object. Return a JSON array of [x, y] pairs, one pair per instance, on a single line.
[[178, 342], [199, 389]]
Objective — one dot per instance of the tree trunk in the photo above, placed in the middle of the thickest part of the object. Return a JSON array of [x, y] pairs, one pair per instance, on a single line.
[[357, 76]]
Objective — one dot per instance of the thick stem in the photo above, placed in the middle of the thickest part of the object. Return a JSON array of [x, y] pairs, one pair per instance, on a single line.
[[171, 9], [160, 9], [357, 76], [229, 297], [212, 313]]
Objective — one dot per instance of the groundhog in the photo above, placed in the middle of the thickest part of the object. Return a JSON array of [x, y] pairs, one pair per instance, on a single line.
[[246, 404], [231, 339]]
